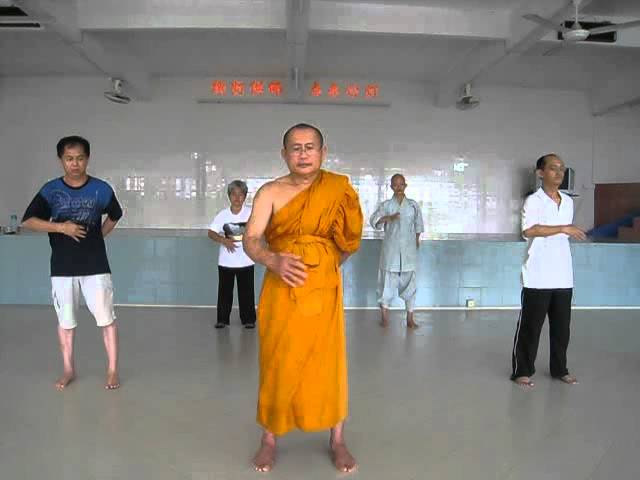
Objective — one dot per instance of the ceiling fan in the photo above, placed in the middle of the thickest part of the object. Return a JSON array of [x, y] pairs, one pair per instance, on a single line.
[[577, 33]]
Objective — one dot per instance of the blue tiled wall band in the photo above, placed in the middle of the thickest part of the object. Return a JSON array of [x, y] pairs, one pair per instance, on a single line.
[[181, 270]]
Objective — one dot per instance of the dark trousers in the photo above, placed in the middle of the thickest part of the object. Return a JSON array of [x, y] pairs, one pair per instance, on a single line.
[[246, 298], [536, 305]]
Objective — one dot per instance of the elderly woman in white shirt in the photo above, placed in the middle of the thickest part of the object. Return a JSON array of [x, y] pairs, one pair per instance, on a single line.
[[227, 229]]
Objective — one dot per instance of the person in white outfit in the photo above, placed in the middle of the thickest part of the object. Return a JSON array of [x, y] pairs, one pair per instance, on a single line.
[[227, 229], [547, 275]]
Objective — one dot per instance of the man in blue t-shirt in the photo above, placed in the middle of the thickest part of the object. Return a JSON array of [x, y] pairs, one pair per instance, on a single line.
[[70, 210]]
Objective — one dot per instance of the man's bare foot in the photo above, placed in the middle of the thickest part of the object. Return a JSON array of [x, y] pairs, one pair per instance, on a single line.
[[568, 379], [342, 459], [265, 457], [64, 380], [524, 382], [113, 382]]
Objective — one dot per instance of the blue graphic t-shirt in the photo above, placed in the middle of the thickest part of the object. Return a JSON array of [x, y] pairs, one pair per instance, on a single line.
[[84, 205]]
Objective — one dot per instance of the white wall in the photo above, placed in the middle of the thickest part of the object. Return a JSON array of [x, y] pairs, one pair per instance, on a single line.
[[617, 148], [499, 141]]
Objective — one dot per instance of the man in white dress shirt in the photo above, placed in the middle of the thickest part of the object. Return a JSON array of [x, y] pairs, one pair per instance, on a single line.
[[547, 275]]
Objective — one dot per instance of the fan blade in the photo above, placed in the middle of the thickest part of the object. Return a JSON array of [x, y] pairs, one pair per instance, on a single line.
[[555, 49], [545, 23], [614, 28]]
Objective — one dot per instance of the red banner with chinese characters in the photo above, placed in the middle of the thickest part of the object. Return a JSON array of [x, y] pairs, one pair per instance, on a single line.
[[248, 89], [345, 90], [316, 90]]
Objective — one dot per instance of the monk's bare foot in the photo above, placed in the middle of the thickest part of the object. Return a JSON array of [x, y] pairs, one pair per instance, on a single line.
[[64, 380], [384, 317], [569, 379], [342, 459], [113, 382], [265, 457], [411, 325], [524, 382]]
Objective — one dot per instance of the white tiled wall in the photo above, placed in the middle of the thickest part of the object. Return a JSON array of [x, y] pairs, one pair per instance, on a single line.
[[170, 158], [616, 156]]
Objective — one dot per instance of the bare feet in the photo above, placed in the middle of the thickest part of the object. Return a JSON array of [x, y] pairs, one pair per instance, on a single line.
[[524, 382], [66, 379], [113, 382], [265, 457], [411, 324], [384, 317], [342, 459], [569, 379]]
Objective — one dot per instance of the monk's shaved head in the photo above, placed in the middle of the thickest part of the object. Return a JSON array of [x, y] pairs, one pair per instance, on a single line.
[[303, 126], [398, 175]]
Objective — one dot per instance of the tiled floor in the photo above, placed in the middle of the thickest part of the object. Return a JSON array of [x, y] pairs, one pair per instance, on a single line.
[[431, 404]]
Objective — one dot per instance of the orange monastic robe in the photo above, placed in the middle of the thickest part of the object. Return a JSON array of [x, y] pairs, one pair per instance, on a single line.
[[303, 356]]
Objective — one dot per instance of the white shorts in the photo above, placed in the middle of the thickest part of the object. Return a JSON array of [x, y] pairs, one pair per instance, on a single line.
[[97, 291]]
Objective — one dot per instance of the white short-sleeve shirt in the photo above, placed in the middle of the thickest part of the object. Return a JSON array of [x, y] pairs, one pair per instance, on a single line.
[[232, 225], [548, 261]]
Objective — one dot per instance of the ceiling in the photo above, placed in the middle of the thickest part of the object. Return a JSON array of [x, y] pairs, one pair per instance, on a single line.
[[601, 7], [206, 52], [476, 4], [382, 56], [614, 7], [433, 42], [39, 53]]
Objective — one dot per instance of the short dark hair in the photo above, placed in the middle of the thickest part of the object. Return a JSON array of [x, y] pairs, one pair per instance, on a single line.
[[542, 161], [395, 175], [73, 141], [302, 126]]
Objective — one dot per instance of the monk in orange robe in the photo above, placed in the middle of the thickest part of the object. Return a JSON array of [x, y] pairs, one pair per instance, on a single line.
[[302, 227]]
